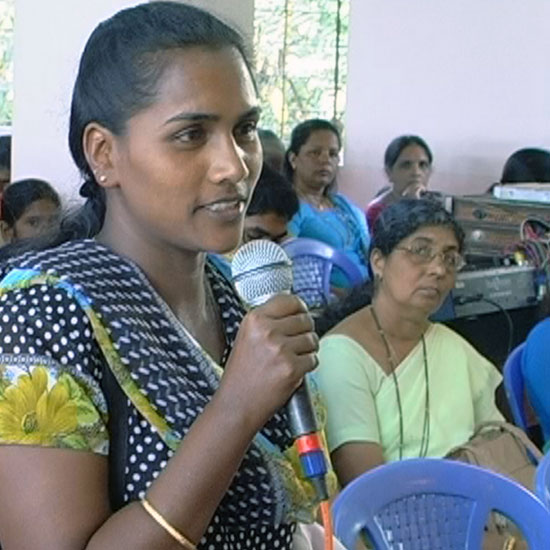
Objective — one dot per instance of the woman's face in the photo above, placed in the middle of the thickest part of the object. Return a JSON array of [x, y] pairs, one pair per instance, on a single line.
[[183, 173], [415, 275], [39, 217], [410, 172], [316, 163]]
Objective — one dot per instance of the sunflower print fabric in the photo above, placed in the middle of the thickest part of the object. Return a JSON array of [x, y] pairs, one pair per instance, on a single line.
[[41, 405], [74, 317]]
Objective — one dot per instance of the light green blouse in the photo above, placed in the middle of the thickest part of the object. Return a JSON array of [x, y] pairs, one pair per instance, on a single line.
[[362, 403]]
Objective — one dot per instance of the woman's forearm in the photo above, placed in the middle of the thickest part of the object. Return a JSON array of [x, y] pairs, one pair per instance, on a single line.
[[190, 487]]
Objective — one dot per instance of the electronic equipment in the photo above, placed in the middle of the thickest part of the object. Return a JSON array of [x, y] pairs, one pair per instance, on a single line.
[[487, 290], [492, 226], [523, 192]]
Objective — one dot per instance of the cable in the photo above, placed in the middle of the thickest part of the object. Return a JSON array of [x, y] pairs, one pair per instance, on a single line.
[[508, 321], [327, 524], [461, 300]]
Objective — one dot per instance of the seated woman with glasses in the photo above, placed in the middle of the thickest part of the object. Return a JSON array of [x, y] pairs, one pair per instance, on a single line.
[[397, 385]]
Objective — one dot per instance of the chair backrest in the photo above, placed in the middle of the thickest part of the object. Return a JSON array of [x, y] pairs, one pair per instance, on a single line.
[[542, 480], [515, 386], [312, 264], [434, 504]]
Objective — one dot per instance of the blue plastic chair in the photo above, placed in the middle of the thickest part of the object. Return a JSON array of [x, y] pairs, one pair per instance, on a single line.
[[434, 504], [312, 264], [542, 480], [515, 386]]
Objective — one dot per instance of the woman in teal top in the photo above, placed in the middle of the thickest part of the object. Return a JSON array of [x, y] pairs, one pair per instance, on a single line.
[[395, 384], [311, 164]]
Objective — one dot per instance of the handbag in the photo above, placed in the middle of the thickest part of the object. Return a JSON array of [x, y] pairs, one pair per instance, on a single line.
[[312, 537], [506, 450], [502, 448]]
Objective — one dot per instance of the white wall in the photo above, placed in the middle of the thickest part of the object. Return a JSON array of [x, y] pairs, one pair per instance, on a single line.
[[470, 76], [49, 38]]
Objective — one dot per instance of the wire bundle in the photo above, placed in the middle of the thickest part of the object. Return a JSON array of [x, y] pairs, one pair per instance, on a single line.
[[534, 235]]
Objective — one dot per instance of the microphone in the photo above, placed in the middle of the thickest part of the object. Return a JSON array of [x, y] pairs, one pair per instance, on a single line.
[[261, 269]]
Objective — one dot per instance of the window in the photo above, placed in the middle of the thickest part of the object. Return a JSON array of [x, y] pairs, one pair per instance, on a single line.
[[301, 60], [7, 15]]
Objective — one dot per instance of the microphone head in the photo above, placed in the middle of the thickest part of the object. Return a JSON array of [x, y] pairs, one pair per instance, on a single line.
[[260, 270]]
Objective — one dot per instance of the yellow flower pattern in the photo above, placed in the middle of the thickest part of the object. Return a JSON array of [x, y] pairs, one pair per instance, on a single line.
[[37, 408]]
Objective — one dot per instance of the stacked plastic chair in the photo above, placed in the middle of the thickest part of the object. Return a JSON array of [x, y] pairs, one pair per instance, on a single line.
[[515, 386], [542, 481], [312, 265], [434, 504]]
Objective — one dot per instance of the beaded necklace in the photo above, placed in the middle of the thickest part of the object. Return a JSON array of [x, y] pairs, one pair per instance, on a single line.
[[425, 442]]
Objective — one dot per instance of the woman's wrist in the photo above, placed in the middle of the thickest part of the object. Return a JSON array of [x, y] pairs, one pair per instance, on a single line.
[[243, 419]]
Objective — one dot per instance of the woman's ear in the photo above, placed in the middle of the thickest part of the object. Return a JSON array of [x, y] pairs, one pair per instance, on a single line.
[[377, 262], [6, 232], [99, 148], [292, 159]]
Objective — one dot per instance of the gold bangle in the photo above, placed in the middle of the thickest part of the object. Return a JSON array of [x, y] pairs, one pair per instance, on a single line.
[[172, 531], [510, 543]]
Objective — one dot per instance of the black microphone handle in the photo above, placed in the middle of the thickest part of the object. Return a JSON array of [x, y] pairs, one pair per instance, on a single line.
[[300, 412]]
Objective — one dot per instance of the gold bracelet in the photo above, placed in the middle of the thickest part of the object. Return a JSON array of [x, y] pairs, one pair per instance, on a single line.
[[510, 543], [172, 531]]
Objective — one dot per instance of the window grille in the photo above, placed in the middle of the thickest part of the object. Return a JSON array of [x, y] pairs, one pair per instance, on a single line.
[[301, 60], [7, 15]]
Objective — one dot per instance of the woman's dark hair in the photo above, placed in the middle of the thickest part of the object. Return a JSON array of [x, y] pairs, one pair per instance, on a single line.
[[527, 165], [118, 76], [395, 223], [401, 219], [299, 136], [396, 146], [19, 195], [273, 193]]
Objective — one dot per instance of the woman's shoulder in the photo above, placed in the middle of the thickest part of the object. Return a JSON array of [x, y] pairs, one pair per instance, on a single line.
[[347, 335], [456, 348], [69, 255], [343, 200], [344, 358]]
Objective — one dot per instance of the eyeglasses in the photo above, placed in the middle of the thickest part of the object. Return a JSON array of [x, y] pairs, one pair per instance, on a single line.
[[424, 255]]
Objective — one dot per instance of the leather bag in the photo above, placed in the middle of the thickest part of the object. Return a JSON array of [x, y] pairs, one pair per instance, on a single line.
[[506, 450], [503, 448]]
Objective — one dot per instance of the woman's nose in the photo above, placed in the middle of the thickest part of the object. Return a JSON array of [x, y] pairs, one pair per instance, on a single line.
[[229, 162], [437, 264]]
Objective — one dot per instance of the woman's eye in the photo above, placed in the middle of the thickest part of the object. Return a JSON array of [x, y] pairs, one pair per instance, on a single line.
[[191, 134], [248, 130], [422, 251]]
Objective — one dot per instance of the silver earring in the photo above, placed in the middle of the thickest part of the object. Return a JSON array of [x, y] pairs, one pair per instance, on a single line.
[[102, 178]]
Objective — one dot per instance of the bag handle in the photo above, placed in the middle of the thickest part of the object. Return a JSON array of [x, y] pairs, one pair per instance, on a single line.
[[514, 431]]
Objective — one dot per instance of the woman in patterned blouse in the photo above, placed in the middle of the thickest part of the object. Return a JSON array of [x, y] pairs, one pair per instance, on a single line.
[[118, 429]]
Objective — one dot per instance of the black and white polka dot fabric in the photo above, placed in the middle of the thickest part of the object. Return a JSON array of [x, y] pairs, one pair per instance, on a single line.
[[169, 368]]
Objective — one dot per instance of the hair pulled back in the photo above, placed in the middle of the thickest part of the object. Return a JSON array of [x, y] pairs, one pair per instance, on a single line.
[[396, 146], [118, 76]]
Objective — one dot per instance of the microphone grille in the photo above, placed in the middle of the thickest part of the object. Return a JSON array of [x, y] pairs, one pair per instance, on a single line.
[[261, 269]]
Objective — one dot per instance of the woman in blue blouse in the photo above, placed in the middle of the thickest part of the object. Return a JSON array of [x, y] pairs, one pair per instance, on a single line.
[[311, 164]]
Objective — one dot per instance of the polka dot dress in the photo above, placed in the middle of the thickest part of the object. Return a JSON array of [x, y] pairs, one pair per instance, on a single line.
[[169, 368]]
